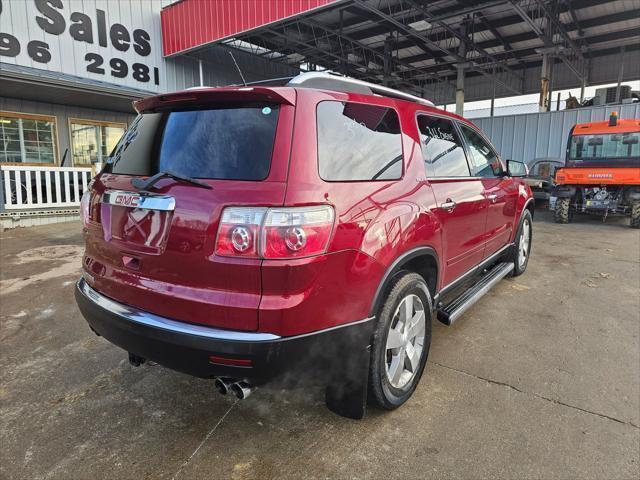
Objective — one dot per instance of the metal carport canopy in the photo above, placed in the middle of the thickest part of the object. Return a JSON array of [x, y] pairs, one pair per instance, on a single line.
[[418, 46]]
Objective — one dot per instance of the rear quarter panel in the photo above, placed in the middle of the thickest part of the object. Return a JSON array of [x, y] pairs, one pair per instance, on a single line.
[[376, 222]]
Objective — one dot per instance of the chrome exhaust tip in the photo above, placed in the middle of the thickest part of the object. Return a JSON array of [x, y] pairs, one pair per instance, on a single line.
[[223, 385], [241, 390]]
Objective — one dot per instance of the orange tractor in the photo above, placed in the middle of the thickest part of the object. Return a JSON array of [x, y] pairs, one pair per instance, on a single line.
[[602, 171]]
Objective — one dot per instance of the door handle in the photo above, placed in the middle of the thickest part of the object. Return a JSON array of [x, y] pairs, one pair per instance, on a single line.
[[448, 205], [492, 197]]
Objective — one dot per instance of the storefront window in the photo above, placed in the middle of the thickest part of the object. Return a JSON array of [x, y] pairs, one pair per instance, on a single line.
[[92, 142], [27, 138]]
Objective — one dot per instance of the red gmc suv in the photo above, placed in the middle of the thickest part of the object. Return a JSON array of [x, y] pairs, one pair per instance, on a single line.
[[313, 228]]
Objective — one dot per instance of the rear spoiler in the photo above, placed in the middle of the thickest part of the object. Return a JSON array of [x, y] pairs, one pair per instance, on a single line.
[[211, 94]]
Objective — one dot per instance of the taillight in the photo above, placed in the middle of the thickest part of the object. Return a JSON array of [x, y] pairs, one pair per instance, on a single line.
[[88, 204], [287, 232], [239, 231], [85, 203], [296, 231]]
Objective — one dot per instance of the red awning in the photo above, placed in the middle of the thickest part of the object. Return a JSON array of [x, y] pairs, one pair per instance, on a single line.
[[192, 23]]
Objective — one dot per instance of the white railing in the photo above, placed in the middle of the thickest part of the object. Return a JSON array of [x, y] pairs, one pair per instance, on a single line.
[[27, 187]]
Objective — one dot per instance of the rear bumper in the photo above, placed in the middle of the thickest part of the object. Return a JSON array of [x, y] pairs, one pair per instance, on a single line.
[[187, 348]]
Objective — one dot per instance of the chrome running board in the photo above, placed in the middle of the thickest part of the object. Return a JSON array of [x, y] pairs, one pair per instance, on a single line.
[[450, 312]]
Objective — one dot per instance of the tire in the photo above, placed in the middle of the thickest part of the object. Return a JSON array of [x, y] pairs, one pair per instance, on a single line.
[[387, 390], [635, 215], [563, 212], [521, 253]]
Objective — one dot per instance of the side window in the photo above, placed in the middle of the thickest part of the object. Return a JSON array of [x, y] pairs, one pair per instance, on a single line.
[[484, 161], [441, 148], [358, 142]]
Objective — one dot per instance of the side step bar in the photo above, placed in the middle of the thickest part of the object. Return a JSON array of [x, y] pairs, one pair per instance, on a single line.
[[449, 313]]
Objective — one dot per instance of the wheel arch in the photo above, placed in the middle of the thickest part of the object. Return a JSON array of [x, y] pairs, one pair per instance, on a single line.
[[529, 205], [421, 260]]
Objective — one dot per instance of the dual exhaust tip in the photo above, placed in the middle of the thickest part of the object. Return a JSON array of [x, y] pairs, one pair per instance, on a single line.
[[240, 388]]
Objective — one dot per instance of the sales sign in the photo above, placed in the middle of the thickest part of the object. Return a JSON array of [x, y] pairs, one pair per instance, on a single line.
[[49, 34]]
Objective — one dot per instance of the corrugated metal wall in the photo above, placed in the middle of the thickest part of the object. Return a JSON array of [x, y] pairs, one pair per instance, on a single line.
[[543, 135]]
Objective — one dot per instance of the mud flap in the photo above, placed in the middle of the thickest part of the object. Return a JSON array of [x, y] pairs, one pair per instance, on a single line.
[[346, 394]]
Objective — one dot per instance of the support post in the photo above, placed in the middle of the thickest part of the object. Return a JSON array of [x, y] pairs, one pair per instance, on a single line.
[[388, 50], [544, 84], [585, 80], [2, 200], [493, 94], [558, 104], [460, 90], [620, 74], [201, 72], [551, 74], [462, 52]]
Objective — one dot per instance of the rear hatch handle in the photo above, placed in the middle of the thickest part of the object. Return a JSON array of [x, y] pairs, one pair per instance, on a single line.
[[145, 185]]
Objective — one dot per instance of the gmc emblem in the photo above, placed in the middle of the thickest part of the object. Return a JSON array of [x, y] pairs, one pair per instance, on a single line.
[[127, 200]]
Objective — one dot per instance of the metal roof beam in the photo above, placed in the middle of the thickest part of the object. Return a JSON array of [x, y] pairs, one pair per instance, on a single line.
[[553, 18], [356, 45], [505, 43], [429, 43], [566, 50], [420, 40], [400, 13], [628, 34], [320, 56], [490, 60], [522, 37], [498, 23], [574, 17]]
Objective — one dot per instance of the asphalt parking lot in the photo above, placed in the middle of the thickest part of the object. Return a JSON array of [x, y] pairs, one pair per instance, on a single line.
[[540, 379]]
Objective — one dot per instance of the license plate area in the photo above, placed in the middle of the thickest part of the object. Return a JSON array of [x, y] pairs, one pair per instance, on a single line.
[[135, 222]]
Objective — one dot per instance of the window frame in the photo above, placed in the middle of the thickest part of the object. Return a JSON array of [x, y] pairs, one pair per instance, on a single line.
[[36, 116], [395, 110], [486, 140], [94, 123], [458, 130]]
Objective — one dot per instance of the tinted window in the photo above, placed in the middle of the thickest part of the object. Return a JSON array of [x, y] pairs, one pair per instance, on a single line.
[[133, 153], [230, 143], [358, 142], [441, 148], [483, 160]]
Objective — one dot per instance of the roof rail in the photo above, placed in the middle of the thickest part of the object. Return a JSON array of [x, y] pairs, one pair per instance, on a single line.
[[334, 81]]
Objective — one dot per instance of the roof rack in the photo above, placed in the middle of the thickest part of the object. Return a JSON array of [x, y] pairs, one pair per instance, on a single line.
[[336, 82]]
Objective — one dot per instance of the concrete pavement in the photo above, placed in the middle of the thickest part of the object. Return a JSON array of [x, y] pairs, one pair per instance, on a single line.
[[540, 379]]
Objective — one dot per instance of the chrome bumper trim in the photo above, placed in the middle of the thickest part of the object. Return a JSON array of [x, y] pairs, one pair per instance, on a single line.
[[151, 320], [164, 203]]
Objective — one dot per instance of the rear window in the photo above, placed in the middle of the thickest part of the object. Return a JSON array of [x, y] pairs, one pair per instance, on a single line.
[[358, 142], [225, 143]]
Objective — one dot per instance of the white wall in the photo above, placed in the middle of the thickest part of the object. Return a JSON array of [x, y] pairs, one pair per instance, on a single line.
[[18, 19]]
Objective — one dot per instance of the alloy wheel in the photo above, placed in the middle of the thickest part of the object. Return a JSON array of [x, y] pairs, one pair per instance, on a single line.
[[405, 341], [523, 247]]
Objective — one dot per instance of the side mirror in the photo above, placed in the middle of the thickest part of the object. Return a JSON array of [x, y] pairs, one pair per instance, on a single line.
[[517, 169]]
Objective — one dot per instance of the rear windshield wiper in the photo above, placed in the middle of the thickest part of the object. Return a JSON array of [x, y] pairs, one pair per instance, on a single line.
[[145, 185]]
